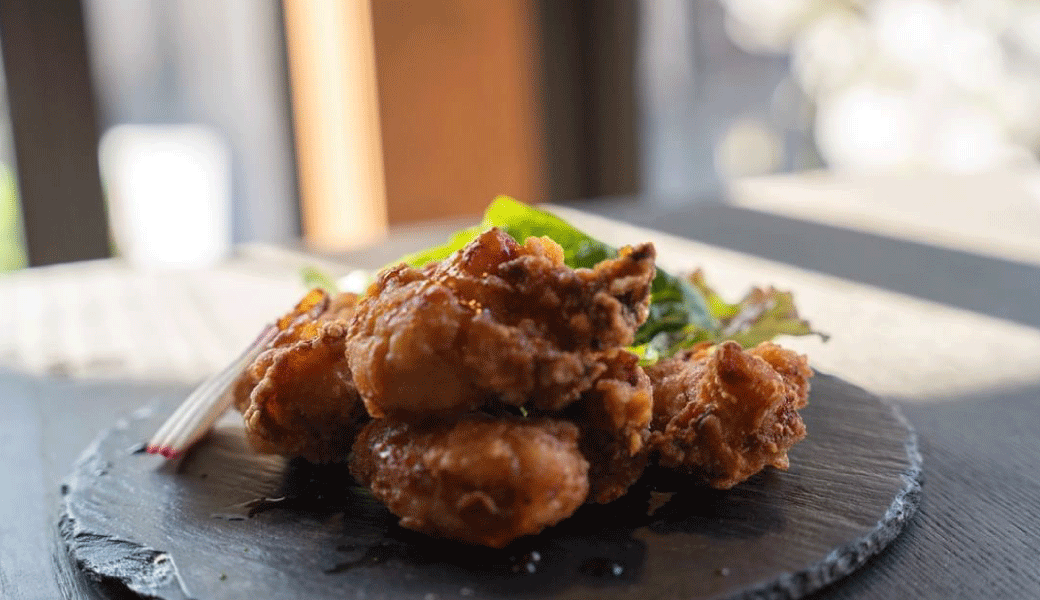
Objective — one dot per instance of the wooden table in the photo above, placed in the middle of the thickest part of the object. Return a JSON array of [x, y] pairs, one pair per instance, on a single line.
[[951, 335]]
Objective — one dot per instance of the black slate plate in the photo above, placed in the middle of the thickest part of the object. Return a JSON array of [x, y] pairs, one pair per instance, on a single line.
[[197, 527]]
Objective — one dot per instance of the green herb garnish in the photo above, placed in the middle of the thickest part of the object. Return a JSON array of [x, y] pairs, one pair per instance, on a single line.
[[683, 311], [316, 278], [674, 302]]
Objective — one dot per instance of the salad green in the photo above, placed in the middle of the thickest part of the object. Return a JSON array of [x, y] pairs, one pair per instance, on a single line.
[[674, 303], [683, 311]]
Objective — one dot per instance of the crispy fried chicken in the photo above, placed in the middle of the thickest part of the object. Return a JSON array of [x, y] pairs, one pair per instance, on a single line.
[[298, 397], [724, 413], [446, 358], [479, 480], [614, 419], [497, 320]]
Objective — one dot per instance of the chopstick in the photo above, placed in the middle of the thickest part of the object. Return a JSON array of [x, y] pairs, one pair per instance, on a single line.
[[201, 409]]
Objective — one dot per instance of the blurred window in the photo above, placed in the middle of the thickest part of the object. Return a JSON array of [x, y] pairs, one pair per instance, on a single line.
[[200, 87]]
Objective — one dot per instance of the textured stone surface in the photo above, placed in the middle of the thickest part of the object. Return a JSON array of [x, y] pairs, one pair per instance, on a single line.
[[195, 528]]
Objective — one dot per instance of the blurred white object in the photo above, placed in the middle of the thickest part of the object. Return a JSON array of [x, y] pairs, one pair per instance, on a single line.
[[868, 128], [830, 51], [908, 85], [749, 147], [356, 281], [767, 25], [911, 33], [169, 191]]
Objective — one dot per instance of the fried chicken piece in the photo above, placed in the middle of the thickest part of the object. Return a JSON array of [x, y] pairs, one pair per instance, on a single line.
[[725, 414], [496, 320], [298, 397], [479, 480], [614, 419], [793, 367]]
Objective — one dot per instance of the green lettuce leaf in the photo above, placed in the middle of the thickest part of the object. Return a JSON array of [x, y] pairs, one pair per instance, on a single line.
[[647, 353], [765, 314], [675, 303], [684, 311], [424, 257], [674, 306], [521, 221], [760, 316], [314, 277]]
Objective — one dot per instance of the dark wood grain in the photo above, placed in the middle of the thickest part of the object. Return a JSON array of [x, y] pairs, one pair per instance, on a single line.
[[192, 528]]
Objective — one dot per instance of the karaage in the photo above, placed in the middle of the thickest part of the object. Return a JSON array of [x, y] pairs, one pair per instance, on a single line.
[[496, 320], [724, 413], [479, 479], [614, 420], [487, 396], [298, 397]]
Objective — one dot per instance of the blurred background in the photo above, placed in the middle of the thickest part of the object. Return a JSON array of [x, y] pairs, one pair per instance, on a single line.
[[167, 131]]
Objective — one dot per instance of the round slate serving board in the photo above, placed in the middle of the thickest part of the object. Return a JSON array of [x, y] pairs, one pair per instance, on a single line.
[[225, 523]]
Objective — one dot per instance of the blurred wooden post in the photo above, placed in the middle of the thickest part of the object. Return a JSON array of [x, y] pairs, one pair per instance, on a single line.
[[54, 126], [336, 116], [460, 101], [591, 113], [470, 99]]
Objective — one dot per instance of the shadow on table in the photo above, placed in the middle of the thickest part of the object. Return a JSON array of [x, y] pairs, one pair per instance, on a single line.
[[992, 286]]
